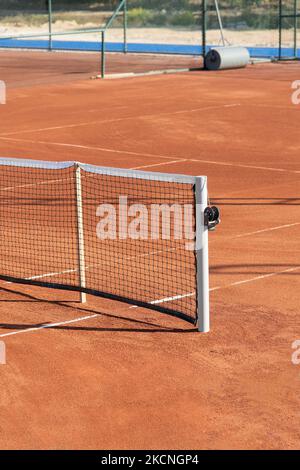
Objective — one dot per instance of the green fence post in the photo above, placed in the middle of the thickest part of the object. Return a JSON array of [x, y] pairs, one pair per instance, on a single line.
[[50, 23], [295, 27], [102, 54], [204, 26], [125, 26], [280, 30]]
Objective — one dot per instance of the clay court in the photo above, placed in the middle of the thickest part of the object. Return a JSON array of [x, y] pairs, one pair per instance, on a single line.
[[104, 375]]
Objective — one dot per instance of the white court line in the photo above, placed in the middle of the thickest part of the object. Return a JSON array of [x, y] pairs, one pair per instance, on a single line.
[[40, 183], [226, 286], [151, 155], [253, 279], [168, 299], [48, 325], [107, 121], [157, 252], [291, 107], [241, 165], [171, 299], [91, 266], [271, 229], [60, 273], [257, 232], [88, 147], [68, 271], [30, 185], [158, 164]]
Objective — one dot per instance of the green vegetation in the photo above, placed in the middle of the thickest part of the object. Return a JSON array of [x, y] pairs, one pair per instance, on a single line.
[[139, 17], [254, 14], [21, 19]]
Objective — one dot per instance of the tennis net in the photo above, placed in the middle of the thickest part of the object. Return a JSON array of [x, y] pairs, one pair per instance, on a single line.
[[137, 237]]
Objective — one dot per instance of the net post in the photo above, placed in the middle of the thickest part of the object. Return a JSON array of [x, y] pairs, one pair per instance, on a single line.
[[80, 231], [202, 255]]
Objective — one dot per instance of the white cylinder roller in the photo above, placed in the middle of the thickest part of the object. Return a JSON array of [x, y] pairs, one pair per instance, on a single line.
[[220, 58]]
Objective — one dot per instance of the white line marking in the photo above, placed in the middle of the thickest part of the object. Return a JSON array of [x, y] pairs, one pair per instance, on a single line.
[[158, 164], [171, 299], [87, 147], [60, 273], [48, 325], [233, 284], [168, 299], [151, 155], [157, 252], [252, 167], [271, 229], [257, 278], [152, 253], [30, 185], [91, 266], [107, 121], [291, 107]]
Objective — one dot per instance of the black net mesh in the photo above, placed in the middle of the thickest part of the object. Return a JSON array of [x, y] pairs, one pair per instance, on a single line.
[[146, 259]]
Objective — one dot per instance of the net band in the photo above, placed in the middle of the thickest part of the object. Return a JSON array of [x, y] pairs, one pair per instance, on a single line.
[[101, 170]]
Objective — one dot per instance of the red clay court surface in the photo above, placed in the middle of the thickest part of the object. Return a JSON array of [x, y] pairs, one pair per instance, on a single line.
[[107, 376]]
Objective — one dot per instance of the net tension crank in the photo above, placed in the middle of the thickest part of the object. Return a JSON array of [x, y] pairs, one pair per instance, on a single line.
[[212, 217]]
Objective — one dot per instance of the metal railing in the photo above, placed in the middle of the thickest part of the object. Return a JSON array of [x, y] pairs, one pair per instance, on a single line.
[[101, 44], [50, 34], [294, 17], [121, 8]]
